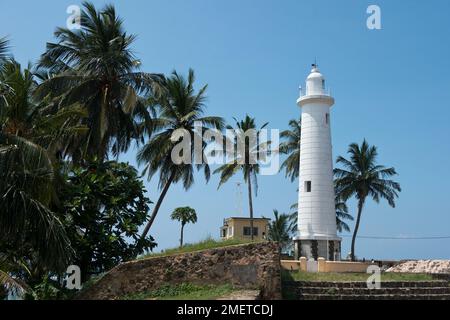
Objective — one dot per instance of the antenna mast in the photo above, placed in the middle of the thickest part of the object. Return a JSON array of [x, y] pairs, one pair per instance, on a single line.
[[239, 210]]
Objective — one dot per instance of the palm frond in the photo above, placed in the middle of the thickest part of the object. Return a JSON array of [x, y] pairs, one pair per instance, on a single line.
[[11, 284], [4, 49], [26, 187]]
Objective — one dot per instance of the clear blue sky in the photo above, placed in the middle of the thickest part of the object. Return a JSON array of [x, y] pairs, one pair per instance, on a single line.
[[391, 86]]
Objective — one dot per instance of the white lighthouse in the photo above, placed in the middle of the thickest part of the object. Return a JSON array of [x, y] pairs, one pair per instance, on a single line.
[[317, 234]]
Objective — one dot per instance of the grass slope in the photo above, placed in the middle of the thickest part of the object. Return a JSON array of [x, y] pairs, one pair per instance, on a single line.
[[339, 277], [202, 245], [184, 291]]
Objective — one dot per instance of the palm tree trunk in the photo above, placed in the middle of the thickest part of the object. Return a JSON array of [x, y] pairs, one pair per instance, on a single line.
[[250, 204], [181, 236], [355, 232], [158, 205]]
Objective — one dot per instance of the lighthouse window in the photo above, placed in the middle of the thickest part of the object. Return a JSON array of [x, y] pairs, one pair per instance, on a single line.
[[308, 186], [323, 84], [327, 118]]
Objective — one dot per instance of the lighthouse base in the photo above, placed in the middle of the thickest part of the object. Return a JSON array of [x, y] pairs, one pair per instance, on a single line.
[[329, 249]]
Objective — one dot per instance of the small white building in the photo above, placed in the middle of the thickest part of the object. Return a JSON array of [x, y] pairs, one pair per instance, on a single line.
[[317, 234]]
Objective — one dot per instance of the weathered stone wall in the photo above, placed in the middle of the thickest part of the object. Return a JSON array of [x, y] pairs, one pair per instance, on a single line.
[[249, 266]]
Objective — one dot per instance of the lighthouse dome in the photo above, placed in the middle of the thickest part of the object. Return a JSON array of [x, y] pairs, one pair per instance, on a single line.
[[315, 83]]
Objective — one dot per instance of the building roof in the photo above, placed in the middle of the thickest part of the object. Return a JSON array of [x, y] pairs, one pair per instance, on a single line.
[[246, 218]]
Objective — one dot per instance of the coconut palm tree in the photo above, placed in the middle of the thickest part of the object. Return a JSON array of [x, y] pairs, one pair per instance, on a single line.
[[245, 158], [26, 183], [4, 47], [281, 229], [8, 283], [27, 180], [291, 147], [36, 120], [184, 215], [17, 110], [179, 107], [26, 169], [341, 215], [362, 177], [4, 54], [30, 232], [94, 67]]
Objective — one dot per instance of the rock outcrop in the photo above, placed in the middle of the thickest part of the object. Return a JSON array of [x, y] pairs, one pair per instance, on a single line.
[[422, 266], [250, 266]]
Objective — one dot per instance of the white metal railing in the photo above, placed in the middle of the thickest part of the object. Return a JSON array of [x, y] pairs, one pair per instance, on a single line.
[[303, 92]]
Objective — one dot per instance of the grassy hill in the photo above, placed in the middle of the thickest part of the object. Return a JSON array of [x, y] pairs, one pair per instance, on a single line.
[[184, 291], [199, 246], [351, 276]]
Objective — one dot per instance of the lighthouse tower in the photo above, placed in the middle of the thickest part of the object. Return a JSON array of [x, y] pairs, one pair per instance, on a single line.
[[317, 235]]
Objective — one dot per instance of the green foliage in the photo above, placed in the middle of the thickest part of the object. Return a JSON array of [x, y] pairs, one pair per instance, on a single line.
[[46, 290], [242, 160], [9, 283], [4, 55], [206, 244], [350, 276], [4, 47], [104, 205], [26, 222], [291, 147], [36, 120], [245, 157], [184, 215], [342, 214], [17, 109], [177, 109], [88, 99], [281, 229], [184, 291], [361, 177], [84, 98], [95, 68], [32, 238]]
